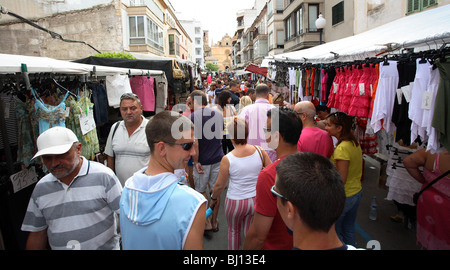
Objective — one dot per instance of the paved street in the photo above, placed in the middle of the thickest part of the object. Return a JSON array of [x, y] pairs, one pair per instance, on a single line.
[[390, 235]]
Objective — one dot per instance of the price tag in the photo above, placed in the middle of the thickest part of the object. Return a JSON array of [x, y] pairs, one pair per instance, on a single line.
[[23, 179], [406, 90], [426, 100], [335, 88], [362, 90], [399, 96], [87, 122]]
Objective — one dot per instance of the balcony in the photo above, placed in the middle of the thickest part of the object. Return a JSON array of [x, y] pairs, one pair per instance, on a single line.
[[300, 41]]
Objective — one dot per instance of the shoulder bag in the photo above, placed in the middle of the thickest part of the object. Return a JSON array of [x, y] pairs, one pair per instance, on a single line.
[[417, 195], [177, 72]]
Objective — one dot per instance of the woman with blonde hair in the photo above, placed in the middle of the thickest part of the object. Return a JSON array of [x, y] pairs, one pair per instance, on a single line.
[[241, 167], [244, 101]]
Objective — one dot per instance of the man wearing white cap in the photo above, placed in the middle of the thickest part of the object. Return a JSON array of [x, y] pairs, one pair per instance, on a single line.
[[73, 206]]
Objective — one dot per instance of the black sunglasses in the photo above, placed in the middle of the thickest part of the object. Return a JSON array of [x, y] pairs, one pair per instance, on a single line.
[[185, 146]]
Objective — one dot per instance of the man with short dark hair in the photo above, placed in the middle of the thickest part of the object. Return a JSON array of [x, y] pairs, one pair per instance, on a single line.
[[126, 147], [256, 117], [268, 231], [209, 127], [235, 89], [308, 184], [156, 210]]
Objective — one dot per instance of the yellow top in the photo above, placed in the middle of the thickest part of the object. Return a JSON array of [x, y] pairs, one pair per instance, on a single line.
[[346, 150]]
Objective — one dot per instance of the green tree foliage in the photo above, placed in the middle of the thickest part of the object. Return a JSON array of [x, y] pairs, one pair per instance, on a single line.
[[212, 67], [115, 55]]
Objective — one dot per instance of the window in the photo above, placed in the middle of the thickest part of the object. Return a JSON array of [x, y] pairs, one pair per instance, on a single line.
[[280, 38], [137, 32], [419, 5], [299, 21], [338, 13], [313, 14], [145, 31], [174, 45]]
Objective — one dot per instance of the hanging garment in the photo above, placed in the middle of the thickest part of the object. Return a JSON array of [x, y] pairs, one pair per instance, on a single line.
[[360, 101], [324, 86], [433, 143], [10, 119], [351, 88], [342, 88], [308, 81], [376, 76], [407, 73], [334, 87], [116, 86], [311, 81], [49, 116], [143, 87], [90, 140], [421, 83], [27, 133], [441, 117], [385, 97], [100, 103]]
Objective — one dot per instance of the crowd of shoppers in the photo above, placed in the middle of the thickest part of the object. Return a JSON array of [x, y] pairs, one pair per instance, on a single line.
[[291, 173]]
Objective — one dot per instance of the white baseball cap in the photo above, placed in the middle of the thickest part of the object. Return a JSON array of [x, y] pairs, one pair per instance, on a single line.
[[55, 141]]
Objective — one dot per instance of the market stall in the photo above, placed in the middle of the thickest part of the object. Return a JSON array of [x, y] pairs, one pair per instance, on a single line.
[[37, 93]]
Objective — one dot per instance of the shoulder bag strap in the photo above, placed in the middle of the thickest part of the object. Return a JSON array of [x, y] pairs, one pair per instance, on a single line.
[[260, 155], [433, 182]]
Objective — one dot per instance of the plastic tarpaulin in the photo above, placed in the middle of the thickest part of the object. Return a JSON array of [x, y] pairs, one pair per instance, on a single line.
[[421, 30], [256, 69]]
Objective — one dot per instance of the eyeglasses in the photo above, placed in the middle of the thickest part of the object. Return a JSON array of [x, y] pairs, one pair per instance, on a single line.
[[128, 96], [267, 129], [276, 194], [185, 146]]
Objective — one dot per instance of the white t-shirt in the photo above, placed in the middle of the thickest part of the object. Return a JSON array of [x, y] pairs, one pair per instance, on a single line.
[[116, 86], [243, 175], [131, 153]]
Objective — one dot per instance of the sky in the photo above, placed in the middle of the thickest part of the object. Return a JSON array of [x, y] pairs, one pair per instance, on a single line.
[[217, 16]]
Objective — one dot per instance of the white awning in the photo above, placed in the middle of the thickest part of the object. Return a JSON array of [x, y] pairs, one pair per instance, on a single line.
[[10, 63], [421, 31]]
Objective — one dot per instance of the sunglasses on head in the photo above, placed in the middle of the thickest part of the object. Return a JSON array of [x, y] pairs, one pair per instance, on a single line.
[[129, 95], [340, 116], [185, 146]]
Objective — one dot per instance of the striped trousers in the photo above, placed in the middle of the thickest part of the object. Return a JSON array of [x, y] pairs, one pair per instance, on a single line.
[[239, 214]]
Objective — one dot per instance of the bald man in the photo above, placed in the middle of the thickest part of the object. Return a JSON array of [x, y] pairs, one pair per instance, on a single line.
[[313, 139]]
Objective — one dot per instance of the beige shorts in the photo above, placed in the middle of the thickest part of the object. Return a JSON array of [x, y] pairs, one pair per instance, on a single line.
[[201, 181]]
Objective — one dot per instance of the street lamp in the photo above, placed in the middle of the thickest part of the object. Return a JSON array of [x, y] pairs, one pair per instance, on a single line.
[[320, 24]]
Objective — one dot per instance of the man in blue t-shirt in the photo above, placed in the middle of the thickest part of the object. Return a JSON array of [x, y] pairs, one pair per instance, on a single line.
[[208, 129]]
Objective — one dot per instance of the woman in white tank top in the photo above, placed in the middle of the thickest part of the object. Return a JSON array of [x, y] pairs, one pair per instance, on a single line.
[[241, 167]]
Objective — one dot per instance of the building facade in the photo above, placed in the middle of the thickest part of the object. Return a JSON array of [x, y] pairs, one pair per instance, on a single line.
[[195, 31], [221, 53], [141, 26]]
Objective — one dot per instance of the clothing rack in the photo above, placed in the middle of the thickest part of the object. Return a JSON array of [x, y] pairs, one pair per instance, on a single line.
[[407, 54]]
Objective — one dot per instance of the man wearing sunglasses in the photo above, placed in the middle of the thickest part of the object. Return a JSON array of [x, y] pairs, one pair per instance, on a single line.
[[126, 147], [157, 211], [306, 184]]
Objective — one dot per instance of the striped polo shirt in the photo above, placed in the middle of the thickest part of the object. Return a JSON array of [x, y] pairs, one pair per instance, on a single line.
[[78, 216]]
